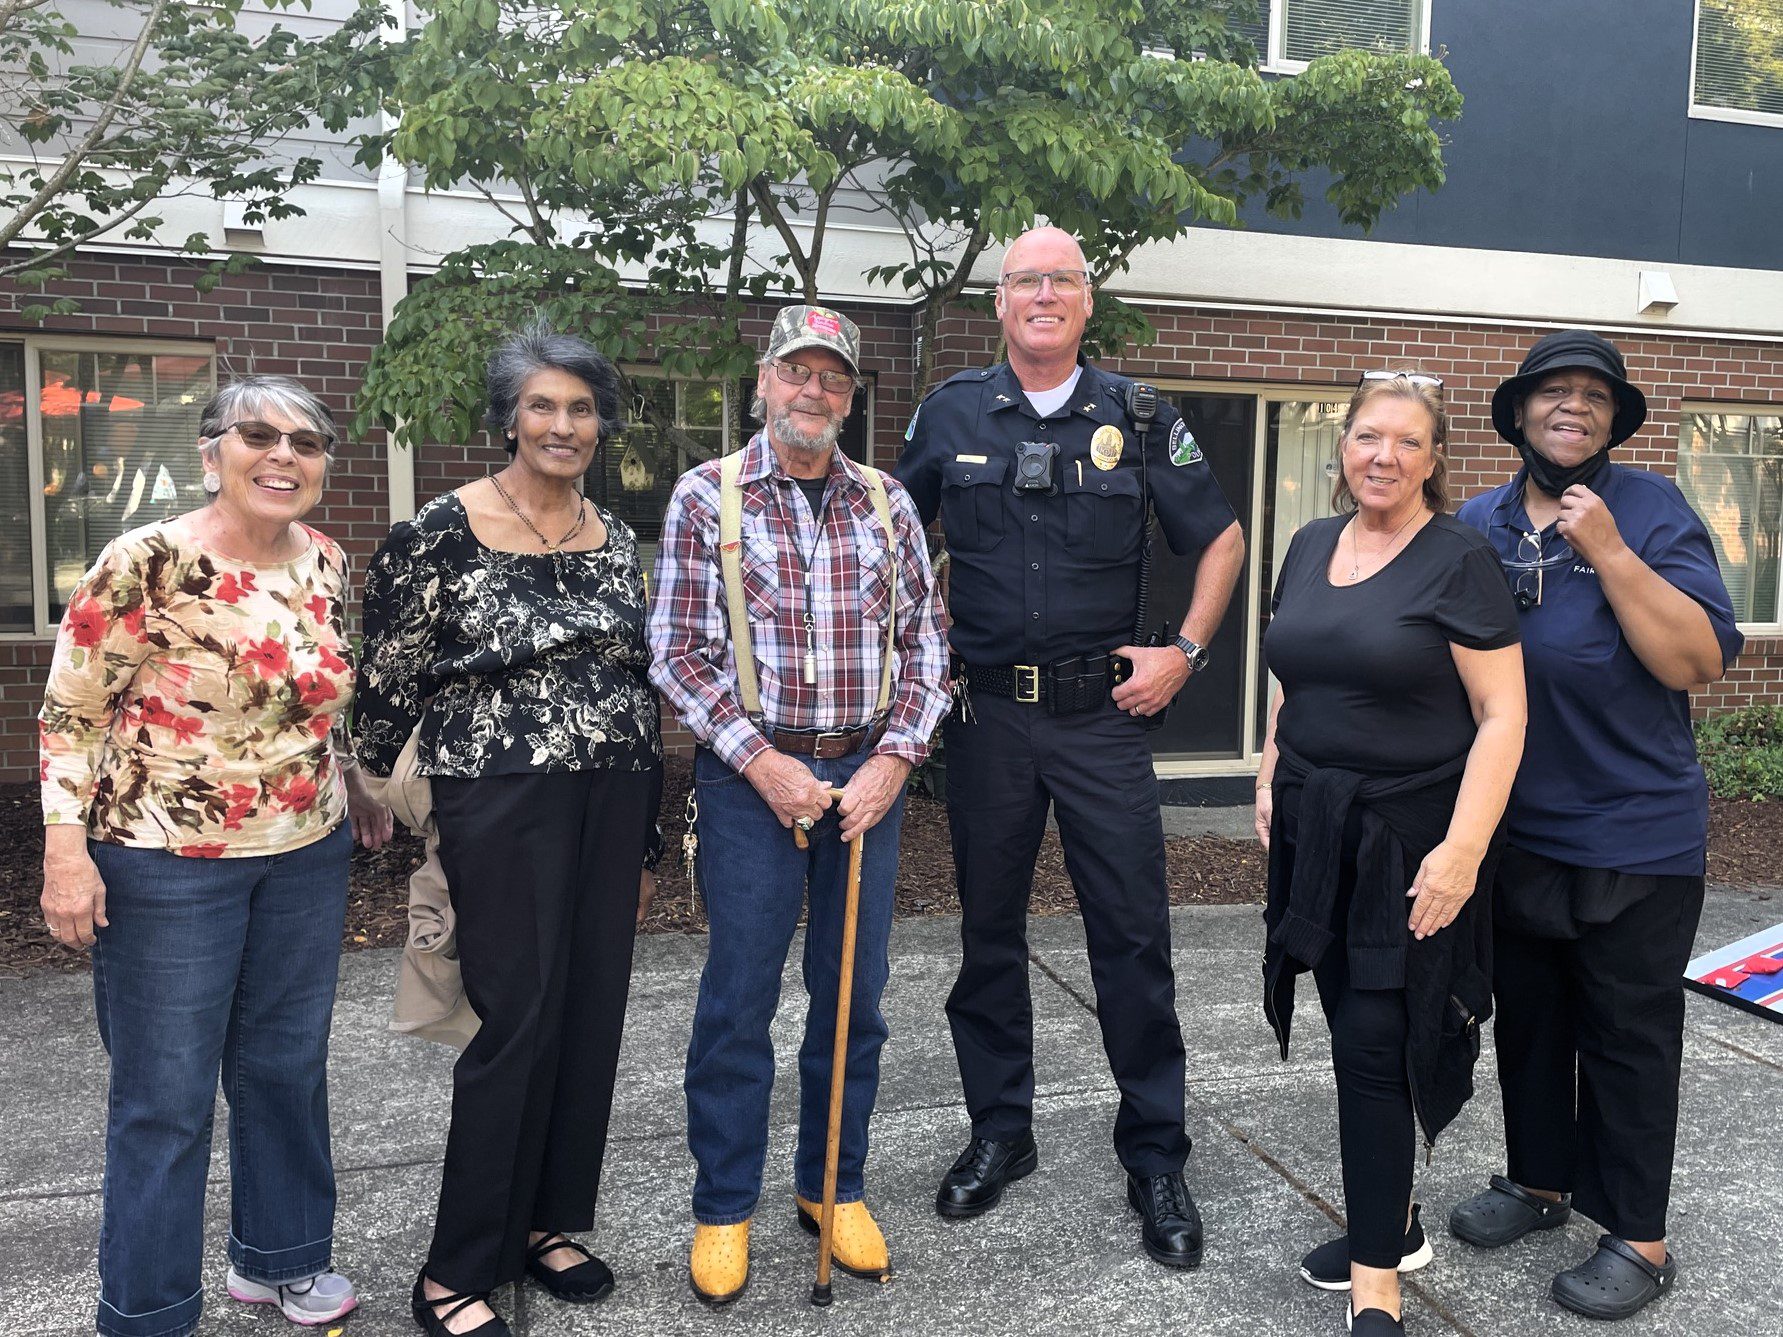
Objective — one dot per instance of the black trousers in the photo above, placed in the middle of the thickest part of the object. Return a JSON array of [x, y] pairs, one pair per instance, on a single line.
[[1376, 1126], [1590, 1036], [1004, 768], [543, 871]]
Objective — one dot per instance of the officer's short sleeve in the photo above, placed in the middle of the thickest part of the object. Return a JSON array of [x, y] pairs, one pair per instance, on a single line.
[[1191, 508], [919, 465]]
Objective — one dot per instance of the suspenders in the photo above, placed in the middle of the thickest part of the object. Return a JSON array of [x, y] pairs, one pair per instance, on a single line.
[[730, 557]]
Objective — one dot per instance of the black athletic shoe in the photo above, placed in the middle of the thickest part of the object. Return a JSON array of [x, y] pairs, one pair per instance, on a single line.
[[1328, 1266]]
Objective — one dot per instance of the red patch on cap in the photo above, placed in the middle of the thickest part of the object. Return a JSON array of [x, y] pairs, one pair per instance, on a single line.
[[824, 323]]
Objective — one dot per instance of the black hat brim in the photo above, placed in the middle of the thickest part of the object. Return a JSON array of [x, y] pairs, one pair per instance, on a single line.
[[1631, 402]]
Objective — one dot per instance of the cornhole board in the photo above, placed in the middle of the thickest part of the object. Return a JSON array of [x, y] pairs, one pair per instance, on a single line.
[[1748, 974]]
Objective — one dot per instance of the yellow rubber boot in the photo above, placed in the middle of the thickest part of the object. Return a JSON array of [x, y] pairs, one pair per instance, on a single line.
[[719, 1265], [858, 1246]]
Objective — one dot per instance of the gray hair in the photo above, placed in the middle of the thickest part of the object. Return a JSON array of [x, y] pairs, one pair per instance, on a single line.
[[248, 395], [535, 348]]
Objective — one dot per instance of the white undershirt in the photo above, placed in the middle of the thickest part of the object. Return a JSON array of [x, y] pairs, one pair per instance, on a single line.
[[1046, 402]]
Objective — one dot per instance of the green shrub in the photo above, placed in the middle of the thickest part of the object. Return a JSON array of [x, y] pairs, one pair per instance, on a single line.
[[1742, 752]]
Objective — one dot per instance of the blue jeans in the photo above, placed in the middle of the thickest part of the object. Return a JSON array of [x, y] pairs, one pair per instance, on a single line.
[[754, 880], [208, 965]]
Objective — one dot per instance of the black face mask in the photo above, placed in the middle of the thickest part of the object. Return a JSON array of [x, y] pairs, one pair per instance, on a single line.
[[1554, 479]]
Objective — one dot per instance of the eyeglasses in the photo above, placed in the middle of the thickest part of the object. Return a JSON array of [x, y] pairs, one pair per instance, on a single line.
[[1527, 568], [1412, 377], [1026, 282], [264, 436], [797, 373]]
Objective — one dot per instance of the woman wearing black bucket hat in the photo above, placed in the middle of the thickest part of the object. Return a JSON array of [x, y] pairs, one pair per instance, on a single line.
[[1600, 887]]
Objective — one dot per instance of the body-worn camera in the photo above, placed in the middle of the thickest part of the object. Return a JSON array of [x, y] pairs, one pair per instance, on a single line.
[[1033, 466]]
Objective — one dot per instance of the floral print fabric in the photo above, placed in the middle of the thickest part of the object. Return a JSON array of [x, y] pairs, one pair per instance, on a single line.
[[510, 662], [191, 698]]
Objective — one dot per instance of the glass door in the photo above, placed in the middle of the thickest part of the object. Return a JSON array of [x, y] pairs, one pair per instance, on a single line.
[[1207, 721]]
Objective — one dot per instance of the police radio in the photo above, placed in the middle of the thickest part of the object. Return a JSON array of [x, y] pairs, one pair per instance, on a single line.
[[1142, 408]]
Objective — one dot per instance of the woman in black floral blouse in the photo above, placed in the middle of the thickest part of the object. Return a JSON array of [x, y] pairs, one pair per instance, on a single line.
[[507, 621]]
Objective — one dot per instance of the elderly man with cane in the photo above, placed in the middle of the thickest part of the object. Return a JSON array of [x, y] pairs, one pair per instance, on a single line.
[[797, 634]]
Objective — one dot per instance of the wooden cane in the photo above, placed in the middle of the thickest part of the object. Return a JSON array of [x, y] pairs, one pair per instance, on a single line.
[[832, 1150]]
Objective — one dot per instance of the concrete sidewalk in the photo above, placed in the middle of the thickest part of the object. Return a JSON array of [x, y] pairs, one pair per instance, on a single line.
[[1059, 1256]]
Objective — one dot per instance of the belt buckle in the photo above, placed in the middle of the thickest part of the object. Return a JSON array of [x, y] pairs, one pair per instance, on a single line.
[[840, 736], [1027, 689]]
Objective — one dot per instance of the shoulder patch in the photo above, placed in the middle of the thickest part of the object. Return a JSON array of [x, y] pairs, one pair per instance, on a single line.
[[1184, 449]]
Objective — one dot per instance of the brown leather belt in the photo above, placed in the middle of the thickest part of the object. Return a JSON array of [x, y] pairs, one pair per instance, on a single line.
[[827, 744]]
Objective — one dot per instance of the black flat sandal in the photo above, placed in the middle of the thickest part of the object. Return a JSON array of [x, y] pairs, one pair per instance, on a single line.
[[1615, 1282], [433, 1323], [586, 1282], [1506, 1212]]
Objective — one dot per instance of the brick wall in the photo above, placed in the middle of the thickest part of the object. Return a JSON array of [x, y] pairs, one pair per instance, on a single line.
[[321, 326]]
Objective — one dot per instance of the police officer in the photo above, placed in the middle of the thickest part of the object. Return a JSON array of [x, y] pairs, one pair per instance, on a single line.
[[1035, 468]]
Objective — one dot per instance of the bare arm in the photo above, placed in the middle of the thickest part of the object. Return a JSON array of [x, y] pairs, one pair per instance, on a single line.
[[1266, 771], [1493, 680], [1159, 673], [1668, 630]]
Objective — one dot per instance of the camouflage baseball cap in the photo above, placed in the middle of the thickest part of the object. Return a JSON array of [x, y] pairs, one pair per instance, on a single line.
[[803, 326]]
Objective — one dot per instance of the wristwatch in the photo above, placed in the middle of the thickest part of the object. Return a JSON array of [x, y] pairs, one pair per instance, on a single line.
[[1195, 654]]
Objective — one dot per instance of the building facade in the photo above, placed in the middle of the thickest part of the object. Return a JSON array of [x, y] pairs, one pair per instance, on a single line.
[[1619, 165]]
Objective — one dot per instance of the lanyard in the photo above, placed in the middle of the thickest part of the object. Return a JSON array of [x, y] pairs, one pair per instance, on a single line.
[[807, 561]]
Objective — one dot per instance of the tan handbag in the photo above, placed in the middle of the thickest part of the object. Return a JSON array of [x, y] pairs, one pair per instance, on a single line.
[[430, 1001]]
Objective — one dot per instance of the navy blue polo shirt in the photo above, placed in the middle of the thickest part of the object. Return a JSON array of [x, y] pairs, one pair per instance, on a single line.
[[1609, 777], [1038, 577]]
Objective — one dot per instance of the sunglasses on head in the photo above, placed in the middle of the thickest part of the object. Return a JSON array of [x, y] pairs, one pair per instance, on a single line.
[[305, 441], [1411, 377]]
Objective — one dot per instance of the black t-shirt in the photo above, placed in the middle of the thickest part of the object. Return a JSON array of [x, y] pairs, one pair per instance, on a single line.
[[1371, 684], [813, 489]]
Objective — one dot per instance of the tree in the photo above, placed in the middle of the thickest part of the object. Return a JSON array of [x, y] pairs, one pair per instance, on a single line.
[[193, 104], [689, 155]]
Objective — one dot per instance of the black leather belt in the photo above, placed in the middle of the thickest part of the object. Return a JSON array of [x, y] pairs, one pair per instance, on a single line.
[[1065, 686], [827, 744]]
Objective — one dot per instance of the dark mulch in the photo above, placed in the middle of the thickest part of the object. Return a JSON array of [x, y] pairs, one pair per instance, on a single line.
[[1745, 846]]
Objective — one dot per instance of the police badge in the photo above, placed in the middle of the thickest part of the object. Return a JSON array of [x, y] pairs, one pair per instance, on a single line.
[[1106, 446]]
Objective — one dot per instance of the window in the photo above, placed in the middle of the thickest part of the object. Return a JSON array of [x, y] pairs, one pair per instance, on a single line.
[[672, 425], [1737, 68], [1730, 468], [1289, 33], [95, 439]]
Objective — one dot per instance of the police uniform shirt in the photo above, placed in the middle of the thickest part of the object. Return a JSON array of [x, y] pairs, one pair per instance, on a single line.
[[1036, 576], [1609, 777]]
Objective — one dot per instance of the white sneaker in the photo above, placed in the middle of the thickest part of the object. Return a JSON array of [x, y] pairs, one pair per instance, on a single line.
[[318, 1299]]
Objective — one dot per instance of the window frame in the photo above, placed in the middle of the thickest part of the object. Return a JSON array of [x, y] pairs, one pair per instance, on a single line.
[[1272, 61], [34, 345], [1753, 630], [1699, 112]]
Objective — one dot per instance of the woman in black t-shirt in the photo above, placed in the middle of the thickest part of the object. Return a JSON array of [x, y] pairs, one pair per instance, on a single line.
[[1391, 749]]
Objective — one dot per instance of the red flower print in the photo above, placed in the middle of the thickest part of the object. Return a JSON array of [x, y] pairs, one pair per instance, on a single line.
[[132, 623], [240, 799], [298, 794], [85, 621], [330, 660], [314, 690], [317, 607], [268, 656], [214, 849], [155, 712], [231, 588], [321, 724]]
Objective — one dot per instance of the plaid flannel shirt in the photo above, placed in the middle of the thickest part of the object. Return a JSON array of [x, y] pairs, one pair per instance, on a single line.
[[854, 580]]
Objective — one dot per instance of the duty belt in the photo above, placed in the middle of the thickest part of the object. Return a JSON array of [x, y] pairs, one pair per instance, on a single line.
[[827, 744], [1065, 686]]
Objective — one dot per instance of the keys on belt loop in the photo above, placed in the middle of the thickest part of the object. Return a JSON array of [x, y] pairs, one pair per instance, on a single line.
[[1027, 683]]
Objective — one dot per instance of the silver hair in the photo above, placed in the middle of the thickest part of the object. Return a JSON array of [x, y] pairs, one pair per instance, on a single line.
[[245, 396], [535, 348]]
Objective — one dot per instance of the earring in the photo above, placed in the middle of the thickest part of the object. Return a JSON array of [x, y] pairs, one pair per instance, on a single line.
[[212, 484]]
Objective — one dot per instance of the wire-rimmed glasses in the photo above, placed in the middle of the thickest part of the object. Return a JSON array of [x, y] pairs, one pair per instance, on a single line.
[[1532, 560]]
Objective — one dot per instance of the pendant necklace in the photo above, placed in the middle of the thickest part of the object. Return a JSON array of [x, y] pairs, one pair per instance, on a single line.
[[1356, 547], [553, 550]]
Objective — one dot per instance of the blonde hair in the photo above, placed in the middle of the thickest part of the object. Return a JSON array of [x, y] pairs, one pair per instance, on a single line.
[[1398, 384]]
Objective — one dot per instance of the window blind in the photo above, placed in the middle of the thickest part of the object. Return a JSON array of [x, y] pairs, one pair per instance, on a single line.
[[1739, 55], [1315, 28]]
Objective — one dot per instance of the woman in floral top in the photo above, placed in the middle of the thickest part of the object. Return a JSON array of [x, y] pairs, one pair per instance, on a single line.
[[506, 623], [196, 838]]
